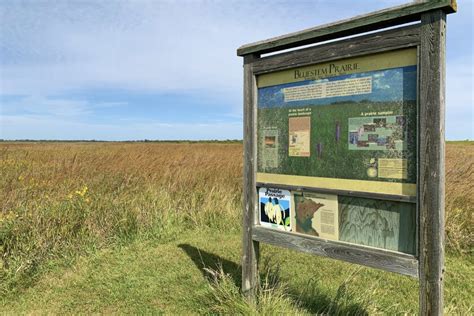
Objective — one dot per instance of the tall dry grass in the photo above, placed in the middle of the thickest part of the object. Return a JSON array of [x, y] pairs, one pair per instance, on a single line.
[[460, 197], [60, 199]]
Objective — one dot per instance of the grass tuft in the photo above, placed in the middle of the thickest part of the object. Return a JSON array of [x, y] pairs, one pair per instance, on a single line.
[[271, 296]]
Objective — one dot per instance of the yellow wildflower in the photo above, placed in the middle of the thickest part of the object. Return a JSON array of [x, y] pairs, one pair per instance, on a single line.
[[82, 192]]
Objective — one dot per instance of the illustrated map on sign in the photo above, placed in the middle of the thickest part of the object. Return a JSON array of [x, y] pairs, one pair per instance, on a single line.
[[317, 215]]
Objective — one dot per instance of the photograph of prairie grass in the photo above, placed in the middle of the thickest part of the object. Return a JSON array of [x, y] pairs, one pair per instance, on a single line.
[[156, 228]]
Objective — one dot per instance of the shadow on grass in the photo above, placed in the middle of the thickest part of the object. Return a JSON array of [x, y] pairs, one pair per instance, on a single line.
[[311, 297], [203, 259]]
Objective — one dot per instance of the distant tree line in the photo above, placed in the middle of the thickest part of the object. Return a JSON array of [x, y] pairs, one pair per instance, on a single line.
[[120, 141]]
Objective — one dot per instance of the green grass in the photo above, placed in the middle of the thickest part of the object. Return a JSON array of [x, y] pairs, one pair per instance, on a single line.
[[199, 272], [461, 142]]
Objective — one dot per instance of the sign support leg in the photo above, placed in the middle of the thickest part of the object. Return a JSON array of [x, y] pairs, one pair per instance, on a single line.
[[432, 158], [250, 247]]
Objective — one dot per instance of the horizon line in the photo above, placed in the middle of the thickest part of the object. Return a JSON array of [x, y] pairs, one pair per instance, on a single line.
[[153, 140]]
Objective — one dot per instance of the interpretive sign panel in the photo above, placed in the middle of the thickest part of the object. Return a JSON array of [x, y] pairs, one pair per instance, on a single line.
[[349, 124]]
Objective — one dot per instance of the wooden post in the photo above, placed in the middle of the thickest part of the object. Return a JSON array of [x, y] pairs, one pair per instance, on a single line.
[[431, 161], [250, 248]]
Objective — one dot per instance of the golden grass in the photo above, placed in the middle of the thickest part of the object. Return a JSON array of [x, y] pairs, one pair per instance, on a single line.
[[60, 198], [460, 196], [34, 173]]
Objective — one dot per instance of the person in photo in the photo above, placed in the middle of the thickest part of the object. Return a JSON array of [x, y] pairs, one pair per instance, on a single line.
[[268, 206]]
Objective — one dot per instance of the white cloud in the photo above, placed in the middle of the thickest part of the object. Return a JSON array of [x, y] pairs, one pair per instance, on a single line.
[[53, 47], [141, 45], [63, 107]]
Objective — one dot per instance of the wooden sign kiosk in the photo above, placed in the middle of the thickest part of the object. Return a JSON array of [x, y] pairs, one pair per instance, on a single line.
[[344, 145]]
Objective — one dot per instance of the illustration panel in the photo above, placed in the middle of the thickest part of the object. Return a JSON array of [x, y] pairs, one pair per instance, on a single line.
[[377, 223], [275, 208]]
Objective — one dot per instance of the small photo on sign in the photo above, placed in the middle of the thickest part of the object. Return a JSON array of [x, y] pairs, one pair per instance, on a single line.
[[275, 208], [299, 130], [270, 141], [269, 152]]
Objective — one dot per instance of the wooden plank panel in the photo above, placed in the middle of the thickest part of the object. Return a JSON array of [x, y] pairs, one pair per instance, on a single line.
[[380, 259], [362, 23], [368, 44], [250, 247], [368, 186], [387, 197], [432, 154]]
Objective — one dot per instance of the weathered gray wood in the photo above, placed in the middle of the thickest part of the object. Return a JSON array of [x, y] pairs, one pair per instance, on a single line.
[[362, 23], [250, 247], [432, 153], [380, 259], [403, 37], [378, 196]]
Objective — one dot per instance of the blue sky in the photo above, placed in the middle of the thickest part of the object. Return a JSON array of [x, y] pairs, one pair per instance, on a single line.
[[124, 70]]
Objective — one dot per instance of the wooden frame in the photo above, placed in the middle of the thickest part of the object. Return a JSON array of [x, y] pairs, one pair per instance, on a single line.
[[429, 37], [371, 257], [363, 23]]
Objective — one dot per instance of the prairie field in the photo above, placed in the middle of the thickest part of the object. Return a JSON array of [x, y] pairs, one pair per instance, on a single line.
[[156, 228]]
